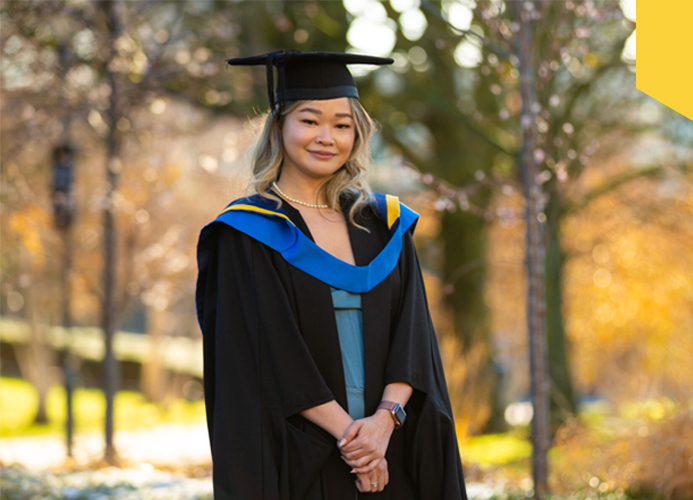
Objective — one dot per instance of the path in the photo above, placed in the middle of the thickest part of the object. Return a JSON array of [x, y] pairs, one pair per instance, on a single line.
[[163, 445]]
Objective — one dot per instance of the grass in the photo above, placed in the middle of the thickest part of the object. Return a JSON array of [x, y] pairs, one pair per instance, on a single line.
[[19, 401], [500, 464], [496, 449]]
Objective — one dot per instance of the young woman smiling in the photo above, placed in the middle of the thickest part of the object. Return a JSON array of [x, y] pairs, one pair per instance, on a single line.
[[318, 344]]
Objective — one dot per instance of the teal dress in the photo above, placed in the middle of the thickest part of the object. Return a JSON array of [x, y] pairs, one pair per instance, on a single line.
[[347, 311]]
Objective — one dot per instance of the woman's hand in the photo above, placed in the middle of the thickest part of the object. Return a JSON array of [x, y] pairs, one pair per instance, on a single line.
[[366, 440], [379, 476]]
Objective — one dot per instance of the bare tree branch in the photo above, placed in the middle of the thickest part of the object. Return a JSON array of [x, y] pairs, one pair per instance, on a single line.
[[609, 186]]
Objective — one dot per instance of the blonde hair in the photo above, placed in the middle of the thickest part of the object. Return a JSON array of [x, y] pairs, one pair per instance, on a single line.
[[268, 155]]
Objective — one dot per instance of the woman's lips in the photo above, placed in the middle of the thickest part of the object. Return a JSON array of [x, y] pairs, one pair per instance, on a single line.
[[322, 156]]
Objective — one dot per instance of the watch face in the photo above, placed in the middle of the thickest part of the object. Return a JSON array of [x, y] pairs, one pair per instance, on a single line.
[[400, 414]]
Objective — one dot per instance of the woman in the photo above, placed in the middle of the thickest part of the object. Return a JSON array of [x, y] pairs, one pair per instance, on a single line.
[[322, 374]]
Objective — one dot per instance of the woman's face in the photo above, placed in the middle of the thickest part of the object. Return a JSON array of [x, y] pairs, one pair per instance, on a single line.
[[318, 137]]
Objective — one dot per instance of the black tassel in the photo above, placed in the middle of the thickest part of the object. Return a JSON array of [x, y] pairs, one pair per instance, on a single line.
[[270, 78], [280, 59], [282, 89]]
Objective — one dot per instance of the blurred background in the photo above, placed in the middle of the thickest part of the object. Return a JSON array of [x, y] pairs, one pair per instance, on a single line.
[[123, 133]]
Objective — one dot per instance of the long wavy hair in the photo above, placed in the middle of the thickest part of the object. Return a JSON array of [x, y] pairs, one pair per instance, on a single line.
[[349, 179]]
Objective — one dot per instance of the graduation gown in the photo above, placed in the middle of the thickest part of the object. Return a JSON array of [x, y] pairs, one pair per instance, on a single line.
[[271, 350]]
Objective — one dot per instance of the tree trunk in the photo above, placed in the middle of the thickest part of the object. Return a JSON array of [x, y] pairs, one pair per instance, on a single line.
[[110, 366], [562, 395], [535, 220]]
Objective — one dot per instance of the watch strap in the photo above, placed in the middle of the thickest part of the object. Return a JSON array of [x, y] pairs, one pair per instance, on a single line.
[[391, 407]]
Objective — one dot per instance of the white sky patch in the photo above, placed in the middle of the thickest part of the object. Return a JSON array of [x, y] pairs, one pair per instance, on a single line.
[[468, 53], [458, 14], [371, 9], [374, 38], [403, 5], [375, 11], [413, 24], [628, 8], [628, 54], [371, 32], [355, 7]]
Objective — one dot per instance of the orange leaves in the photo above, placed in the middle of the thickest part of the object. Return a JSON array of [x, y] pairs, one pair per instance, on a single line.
[[627, 293], [29, 225]]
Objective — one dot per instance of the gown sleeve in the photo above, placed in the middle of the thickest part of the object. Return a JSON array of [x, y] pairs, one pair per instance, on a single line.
[[258, 373], [433, 458]]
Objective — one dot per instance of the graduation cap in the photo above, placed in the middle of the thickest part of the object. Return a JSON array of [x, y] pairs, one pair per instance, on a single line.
[[308, 75]]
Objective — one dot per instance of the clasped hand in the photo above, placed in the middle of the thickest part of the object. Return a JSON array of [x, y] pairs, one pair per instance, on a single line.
[[363, 448]]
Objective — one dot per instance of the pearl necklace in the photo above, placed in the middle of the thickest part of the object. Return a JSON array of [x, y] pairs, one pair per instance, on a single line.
[[285, 196]]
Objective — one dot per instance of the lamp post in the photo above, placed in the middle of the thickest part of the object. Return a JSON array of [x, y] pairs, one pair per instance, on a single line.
[[63, 209]]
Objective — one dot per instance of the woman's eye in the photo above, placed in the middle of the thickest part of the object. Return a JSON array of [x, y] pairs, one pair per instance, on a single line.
[[344, 126], [309, 122]]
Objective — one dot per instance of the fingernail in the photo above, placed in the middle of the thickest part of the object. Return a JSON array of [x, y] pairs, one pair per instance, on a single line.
[[341, 442], [353, 471]]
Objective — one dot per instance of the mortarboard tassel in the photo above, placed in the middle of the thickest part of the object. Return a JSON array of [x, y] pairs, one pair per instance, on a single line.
[[270, 80], [279, 59]]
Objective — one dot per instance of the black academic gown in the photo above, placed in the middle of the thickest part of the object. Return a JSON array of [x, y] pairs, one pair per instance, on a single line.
[[271, 350]]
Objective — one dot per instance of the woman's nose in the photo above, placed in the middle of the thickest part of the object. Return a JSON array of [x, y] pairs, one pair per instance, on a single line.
[[325, 136]]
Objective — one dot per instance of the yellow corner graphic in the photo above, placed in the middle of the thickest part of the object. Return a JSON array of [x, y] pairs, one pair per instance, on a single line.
[[664, 70]]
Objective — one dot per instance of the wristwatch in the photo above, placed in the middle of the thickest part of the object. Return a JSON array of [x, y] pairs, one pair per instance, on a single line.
[[396, 410]]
